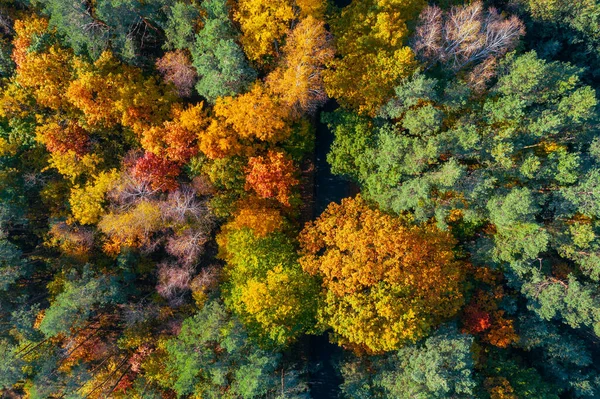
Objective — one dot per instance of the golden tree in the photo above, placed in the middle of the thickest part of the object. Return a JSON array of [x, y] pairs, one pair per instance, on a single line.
[[385, 282]]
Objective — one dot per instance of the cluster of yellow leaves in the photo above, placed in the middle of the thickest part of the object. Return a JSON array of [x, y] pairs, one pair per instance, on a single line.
[[71, 165], [370, 38], [298, 82], [109, 92], [87, 202], [386, 282], [48, 75], [131, 228], [263, 24], [25, 29], [255, 115], [274, 301]]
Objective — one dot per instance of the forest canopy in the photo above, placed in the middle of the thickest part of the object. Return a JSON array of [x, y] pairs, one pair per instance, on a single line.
[[241, 199]]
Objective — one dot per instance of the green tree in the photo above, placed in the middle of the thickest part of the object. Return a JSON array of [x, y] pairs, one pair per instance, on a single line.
[[81, 297], [220, 62], [212, 357]]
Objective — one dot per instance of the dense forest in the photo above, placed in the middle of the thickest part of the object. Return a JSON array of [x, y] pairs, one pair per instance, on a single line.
[[299, 199]]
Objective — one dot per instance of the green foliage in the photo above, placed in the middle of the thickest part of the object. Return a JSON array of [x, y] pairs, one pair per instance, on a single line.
[[180, 27], [441, 366], [221, 65], [267, 288], [212, 357], [76, 303], [12, 265], [516, 158]]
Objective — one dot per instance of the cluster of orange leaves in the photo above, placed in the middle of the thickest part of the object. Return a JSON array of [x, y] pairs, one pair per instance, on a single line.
[[272, 176], [483, 317], [385, 281]]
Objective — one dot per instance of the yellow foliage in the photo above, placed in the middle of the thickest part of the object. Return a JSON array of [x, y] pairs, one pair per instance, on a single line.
[[370, 38], [314, 8], [263, 24], [7, 148], [16, 102], [87, 203], [72, 166], [273, 301], [298, 83], [251, 116], [131, 228], [48, 75], [109, 92], [386, 282], [25, 29]]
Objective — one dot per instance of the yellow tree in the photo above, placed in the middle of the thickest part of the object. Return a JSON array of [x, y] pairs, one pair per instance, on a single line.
[[385, 282], [263, 24], [240, 121], [110, 93], [87, 202], [46, 72], [370, 38], [298, 83]]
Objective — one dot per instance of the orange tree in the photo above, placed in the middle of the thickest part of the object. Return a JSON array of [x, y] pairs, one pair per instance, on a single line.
[[385, 282]]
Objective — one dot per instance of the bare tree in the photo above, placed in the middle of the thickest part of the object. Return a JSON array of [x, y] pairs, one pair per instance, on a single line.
[[465, 35], [176, 67], [182, 205], [173, 282], [188, 245]]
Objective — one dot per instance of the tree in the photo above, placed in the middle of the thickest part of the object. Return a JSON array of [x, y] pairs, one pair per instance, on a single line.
[[266, 287], [370, 38], [440, 366], [465, 35], [213, 357], [79, 298], [263, 26], [500, 161], [299, 81], [87, 202], [128, 27], [181, 26], [158, 172], [176, 68], [132, 228], [110, 93], [386, 283], [218, 59], [272, 176], [243, 123]]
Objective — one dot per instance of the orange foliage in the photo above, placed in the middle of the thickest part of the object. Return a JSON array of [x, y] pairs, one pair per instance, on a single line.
[[386, 282], [257, 215], [239, 120], [63, 136], [109, 92], [299, 81], [272, 176], [25, 29], [482, 316], [159, 172], [176, 140]]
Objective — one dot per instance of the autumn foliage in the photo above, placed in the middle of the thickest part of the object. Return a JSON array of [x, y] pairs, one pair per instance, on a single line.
[[272, 176], [385, 282]]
